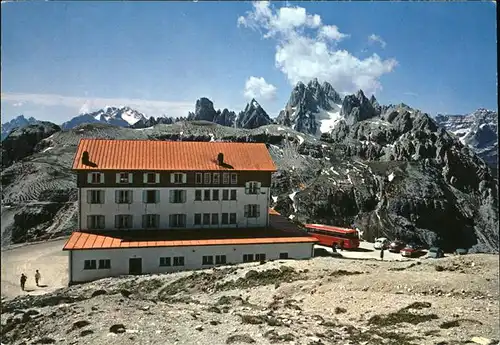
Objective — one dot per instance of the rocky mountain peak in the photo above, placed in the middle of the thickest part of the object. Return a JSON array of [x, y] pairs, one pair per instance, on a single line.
[[205, 111], [253, 116], [309, 106], [357, 108], [17, 122]]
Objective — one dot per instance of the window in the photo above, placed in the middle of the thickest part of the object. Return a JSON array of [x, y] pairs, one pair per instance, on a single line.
[[232, 218], [178, 220], [178, 261], [252, 187], [225, 194], [197, 195], [199, 178], [225, 218], [104, 264], [151, 221], [215, 219], [197, 219], [151, 178], [151, 196], [206, 194], [178, 178], [124, 177], [215, 194], [220, 259], [177, 196], [95, 197], [123, 221], [95, 178], [216, 178], [283, 256], [165, 262], [207, 178], [260, 257], [206, 218], [252, 211], [123, 196], [225, 178], [208, 260], [247, 257], [234, 178], [89, 265], [95, 222], [233, 194]]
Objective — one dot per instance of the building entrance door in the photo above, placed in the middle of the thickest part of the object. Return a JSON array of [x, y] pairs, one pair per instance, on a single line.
[[135, 266]]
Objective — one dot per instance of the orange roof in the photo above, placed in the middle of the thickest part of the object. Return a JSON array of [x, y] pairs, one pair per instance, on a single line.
[[171, 155], [329, 228], [281, 230], [83, 240]]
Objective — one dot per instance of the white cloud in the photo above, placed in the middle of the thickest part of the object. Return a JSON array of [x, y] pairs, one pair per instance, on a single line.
[[409, 93], [331, 32], [377, 39], [258, 88], [18, 104], [302, 56], [86, 104]]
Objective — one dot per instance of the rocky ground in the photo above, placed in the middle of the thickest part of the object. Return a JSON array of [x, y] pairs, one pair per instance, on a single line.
[[326, 300]]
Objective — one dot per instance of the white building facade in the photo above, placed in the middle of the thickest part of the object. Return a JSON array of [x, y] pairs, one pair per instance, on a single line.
[[88, 265]]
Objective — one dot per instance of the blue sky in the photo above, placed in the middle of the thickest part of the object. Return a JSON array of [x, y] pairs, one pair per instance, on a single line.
[[60, 58]]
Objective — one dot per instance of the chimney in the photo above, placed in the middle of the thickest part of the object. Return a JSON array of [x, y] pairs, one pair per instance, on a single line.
[[220, 158], [85, 158]]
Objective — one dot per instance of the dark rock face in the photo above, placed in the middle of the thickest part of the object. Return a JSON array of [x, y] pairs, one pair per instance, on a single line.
[[204, 111], [479, 130], [357, 108], [22, 141], [18, 122], [253, 116], [143, 123], [307, 105]]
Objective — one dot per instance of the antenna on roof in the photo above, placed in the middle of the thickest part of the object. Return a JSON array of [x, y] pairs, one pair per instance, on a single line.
[[85, 158], [220, 158]]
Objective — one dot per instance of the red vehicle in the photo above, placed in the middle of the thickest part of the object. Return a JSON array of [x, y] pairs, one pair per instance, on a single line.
[[332, 236]]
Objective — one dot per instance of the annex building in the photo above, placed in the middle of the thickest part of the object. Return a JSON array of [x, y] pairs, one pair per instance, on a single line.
[[163, 206]]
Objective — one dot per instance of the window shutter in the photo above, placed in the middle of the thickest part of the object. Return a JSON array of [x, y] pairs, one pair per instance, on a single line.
[[172, 196], [144, 196], [131, 194], [246, 211], [117, 196], [102, 196], [170, 220], [258, 185], [101, 177], [89, 222], [89, 177], [157, 197], [183, 196], [247, 187], [145, 177], [130, 177], [117, 177], [184, 178], [157, 178], [144, 220], [89, 196], [172, 177], [157, 223], [257, 210], [117, 221]]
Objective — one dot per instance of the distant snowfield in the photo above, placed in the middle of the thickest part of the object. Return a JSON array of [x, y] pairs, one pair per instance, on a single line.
[[327, 120]]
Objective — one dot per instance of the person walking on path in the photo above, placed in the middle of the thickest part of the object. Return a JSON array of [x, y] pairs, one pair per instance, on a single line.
[[37, 277], [23, 281], [341, 246], [382, 254]]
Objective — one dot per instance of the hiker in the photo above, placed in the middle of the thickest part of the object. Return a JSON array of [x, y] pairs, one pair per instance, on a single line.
[[23, 281], [382, 253], [37, 277], [341, 246]]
